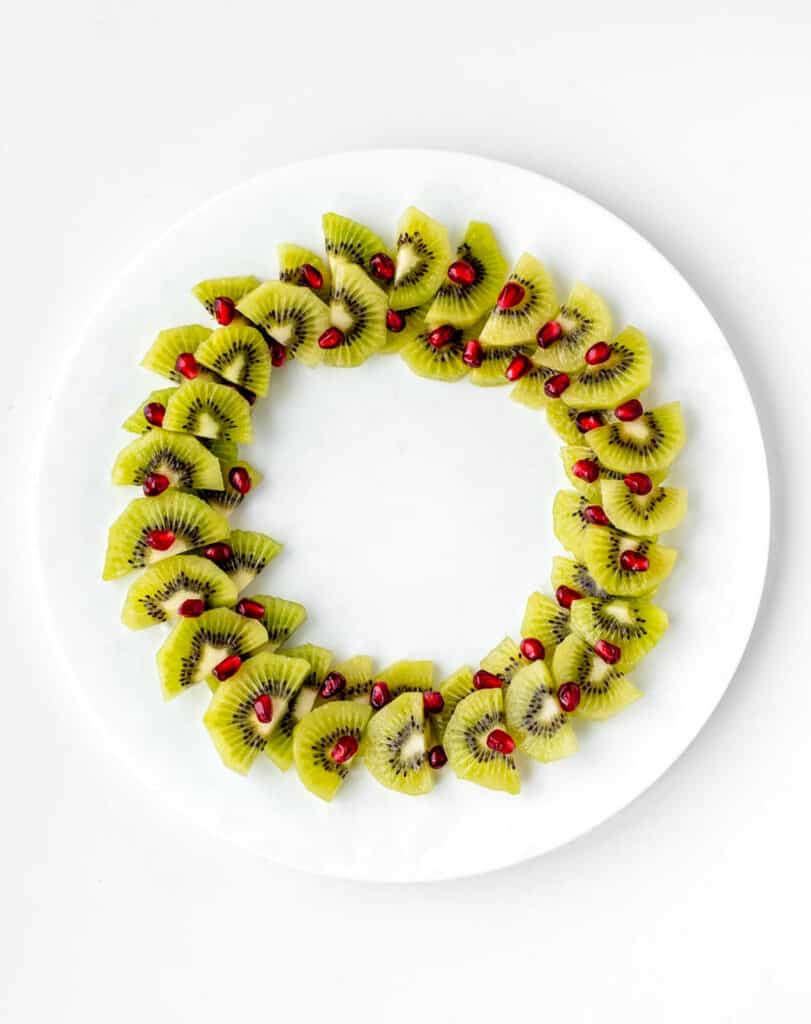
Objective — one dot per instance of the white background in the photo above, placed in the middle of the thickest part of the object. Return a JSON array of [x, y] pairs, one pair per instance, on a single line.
[[692, 903]]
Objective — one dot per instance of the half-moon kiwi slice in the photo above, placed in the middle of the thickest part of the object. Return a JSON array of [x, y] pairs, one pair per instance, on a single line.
[[462, 302], [585, 471], [426, 360], [566, 572], [395, 748], [139, 420], [239, 354], [303, 267], [524, 305], [626, 566], [504, 660], [495, 361], [358, 309], [231, 288], [633, 626], [171, 343], [643, 515], [603, 689], [471, 756], [402, 326], [575, 425], [545, 620], [359, 675], [280, 617], [162, 588], [456, 687], [649, 443], [209, 410], [625, 372], [421, 260], [348, 241], [534, 717], [181, 459], [321, 742], [529, 390], [229, 497], [291, 315], [583, 319], [251, 552], [280, 745], [570, 519]]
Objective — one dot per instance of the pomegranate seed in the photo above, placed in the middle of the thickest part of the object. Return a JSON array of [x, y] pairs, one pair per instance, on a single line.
[[250, 609], [160, 540], [433, 701], [227, 667], [331, 338], [344, 750], [218, 552], [440, 336], [596, 514], [598, 353], [638, 483], [549, 334], [437, 756], [555, 386], [263, 708], [311, 276], [334, 684], [155, 483], [632, 561], [518, 368], [224, 310], [240, 479], [278, 353], [587, 421], [532, 649], [610, 653], [500, 741], [473, 354], [154, 413], [395, 321], [463, 273], [510, 295], [487, 681], [187, 365], [382, 266], [629, 410], [191, 607], [379, 695], [569, 696], [586, 469], [566, 597]]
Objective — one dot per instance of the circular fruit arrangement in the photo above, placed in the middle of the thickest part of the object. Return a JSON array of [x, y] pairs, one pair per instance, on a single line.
[[448, 316]]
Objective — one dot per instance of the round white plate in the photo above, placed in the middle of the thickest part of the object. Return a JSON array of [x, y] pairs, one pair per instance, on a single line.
[[416, 518]]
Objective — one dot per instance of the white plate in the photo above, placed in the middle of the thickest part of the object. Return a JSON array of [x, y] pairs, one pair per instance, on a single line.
[[416, 516]]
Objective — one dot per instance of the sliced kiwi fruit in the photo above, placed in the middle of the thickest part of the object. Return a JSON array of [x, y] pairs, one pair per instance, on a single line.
[[495, 361], [296, 265], [137, 422], [181, 459], [534, 717], [465, 741], [573, 454], [625, 373], [151, 529], [409, 323], [649, 443], [250, 553], [162, 588], [206, 409], [529, 390], [359, 675], [348, 241], [633, 626], [238, 353], [443, 363], [290, 315], [171, 343], [643, 515], [358, 309], [395, 748], [545, 620], [519, 321], [570, 521], [246, 709], [604, 549], [423, 253], [195, 647], [603, 689], [314, 745], [229, 497], [408, 677], [566, 572], [584, 319], [224, 450], [233, 288], [280, 745], [453, 689], [463, 303], [280, 617], [504, 660], [574, 426]]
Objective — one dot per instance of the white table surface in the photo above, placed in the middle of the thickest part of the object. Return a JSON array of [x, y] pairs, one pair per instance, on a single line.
[[689, 905]]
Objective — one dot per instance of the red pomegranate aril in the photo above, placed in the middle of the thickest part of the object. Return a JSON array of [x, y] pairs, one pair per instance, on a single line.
[[555, 386], [638, 483], [379, 695], [227, 667], [473, 354], [463, 273], [240, 479], [160, 540], [191, 608], [549, 334], [440, 336], [433, 701], [632, 561], [382, 266], [224, 310], [395, 321], [154, 413], [500, 741], [598, 353], [569, 696], [586, 469], [518, 368], [484, 680], [609, 652], [218, 552], [263, 708], [154, 484], [587, 421], [566, 597], [437, 756], [596, 514], [334, 684], [187, 366], [510, 295], [628, 411], [344, 750], [278, 353], [532, 648], [331, 338], [311, 276], [250, 609]]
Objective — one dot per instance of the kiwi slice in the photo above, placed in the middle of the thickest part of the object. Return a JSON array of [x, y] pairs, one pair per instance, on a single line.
[[171, 343], [250, 553], [465, 741], [584, 319], [160, 590], [359, 675], [395, 748], [545, 620], [280, 745], [348, 241], [280, 617], [570, 521], [229, 497], [643, 515], [402, 326], [603, 689], [453, 689], [566, 572], [535, 719], [181, 459], [408, 677], [504, 660], [137, 422], [495, 361], [196, 646], [358, 310], [576, 426], [422, 258], [604, 549], [529, 390], [314, 745], [649, 443], [579, 456], [173, 521], [625, 373], [462, 303], [520, 321], [443, 363], [633, 626], [209, 410], [239, 354], [225, 451], [233, 288], [291, 315], [296, 265], [246, 710]]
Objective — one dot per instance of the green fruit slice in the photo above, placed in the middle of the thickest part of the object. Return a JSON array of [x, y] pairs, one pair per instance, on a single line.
[[443, 363], [462, 305], [646, 444], [546, 621], [251, 552], [206, 409], [395, 748], [421, 261], [280, 745], [566, 572], [228, 498], [519, 323], [225, 451], [494, 365], [291, 260], [160, 590], [643, 515], [604, 548], [504, 660], [570, 522], [348, 241], [233, 288], [181, 459], [574, 453], [171, 343], [293, 316], [529, 390], [603, 689], [633, 626], [358, 309], [456, 687], [413, 324], [465, 742], [136, 422], [535, 719], [314, 741], [281, 619], [585, 319], [238, 353], [625, 373], [359, 675], [408, 677]]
